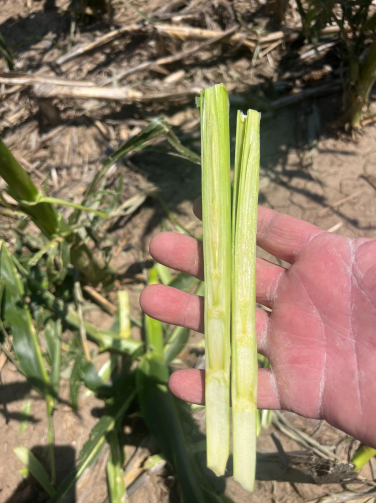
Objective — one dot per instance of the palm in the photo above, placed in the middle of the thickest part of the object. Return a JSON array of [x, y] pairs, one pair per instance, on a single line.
[[320, 336]]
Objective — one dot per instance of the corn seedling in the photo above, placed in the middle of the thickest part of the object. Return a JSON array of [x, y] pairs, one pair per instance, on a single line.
[[42, 298]]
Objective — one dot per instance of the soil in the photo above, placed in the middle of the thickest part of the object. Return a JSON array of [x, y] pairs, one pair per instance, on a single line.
[[308, 170]]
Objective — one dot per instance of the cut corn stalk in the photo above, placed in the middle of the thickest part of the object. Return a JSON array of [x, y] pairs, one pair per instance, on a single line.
[[216, 202], [124, 320], [244, 348], [362, 456]]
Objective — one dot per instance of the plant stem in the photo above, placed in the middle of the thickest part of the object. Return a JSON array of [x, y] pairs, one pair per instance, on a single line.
[[216, 203], [124, 320], [362, 456], [367, 78], [51, 436], [46, 217], [244, 348], [79, 304]]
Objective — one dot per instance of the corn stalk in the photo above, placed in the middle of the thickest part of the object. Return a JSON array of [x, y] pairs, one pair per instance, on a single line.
[[356, 24], [362, 456], [244, 347], [216, 202], [46, 217], [359, 91]]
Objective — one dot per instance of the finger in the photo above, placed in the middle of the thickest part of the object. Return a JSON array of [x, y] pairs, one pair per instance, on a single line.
[[174, 306], [268, 276], [184, 253], [189, 385], [279, 234], [179, 252], [283, 236]]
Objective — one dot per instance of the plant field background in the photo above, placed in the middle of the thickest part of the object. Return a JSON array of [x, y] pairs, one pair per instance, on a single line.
[[311, 167]]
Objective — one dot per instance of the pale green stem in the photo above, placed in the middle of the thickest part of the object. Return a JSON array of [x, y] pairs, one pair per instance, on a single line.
[[124, 319], [362, 456], [51, 436], [216, 203], [244, 349]]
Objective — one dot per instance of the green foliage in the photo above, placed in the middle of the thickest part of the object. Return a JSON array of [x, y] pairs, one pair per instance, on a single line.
[[164, 417], [76, 378], [52, 334], [175, 343], [16, 313], [38, 310], [115, 473], [97, 438], [35, 468], [357, 27], [6, 53]]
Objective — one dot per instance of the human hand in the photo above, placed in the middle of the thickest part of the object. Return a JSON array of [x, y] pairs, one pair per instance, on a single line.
[[320, 336]]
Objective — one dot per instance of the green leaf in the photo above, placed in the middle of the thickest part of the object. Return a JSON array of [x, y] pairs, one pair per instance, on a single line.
[[26, 410], [46, 248], [35, 468], [52, 334], [9, 274], [153, 327], [172, 217], [161, 415], [76, 378], [16, 313], [183, 281], [106, 340], [95, 383], [175, 344], [113, 342], [163, 274], [57, 201], [156, 128], [6, 53], [184, 152], [97, 439], [115, 473]]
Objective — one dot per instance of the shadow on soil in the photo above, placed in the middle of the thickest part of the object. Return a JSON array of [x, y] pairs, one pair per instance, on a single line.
[[29, 490]]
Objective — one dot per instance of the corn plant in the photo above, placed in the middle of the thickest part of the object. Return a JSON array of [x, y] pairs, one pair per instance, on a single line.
[[357, 24], [41, 298]]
